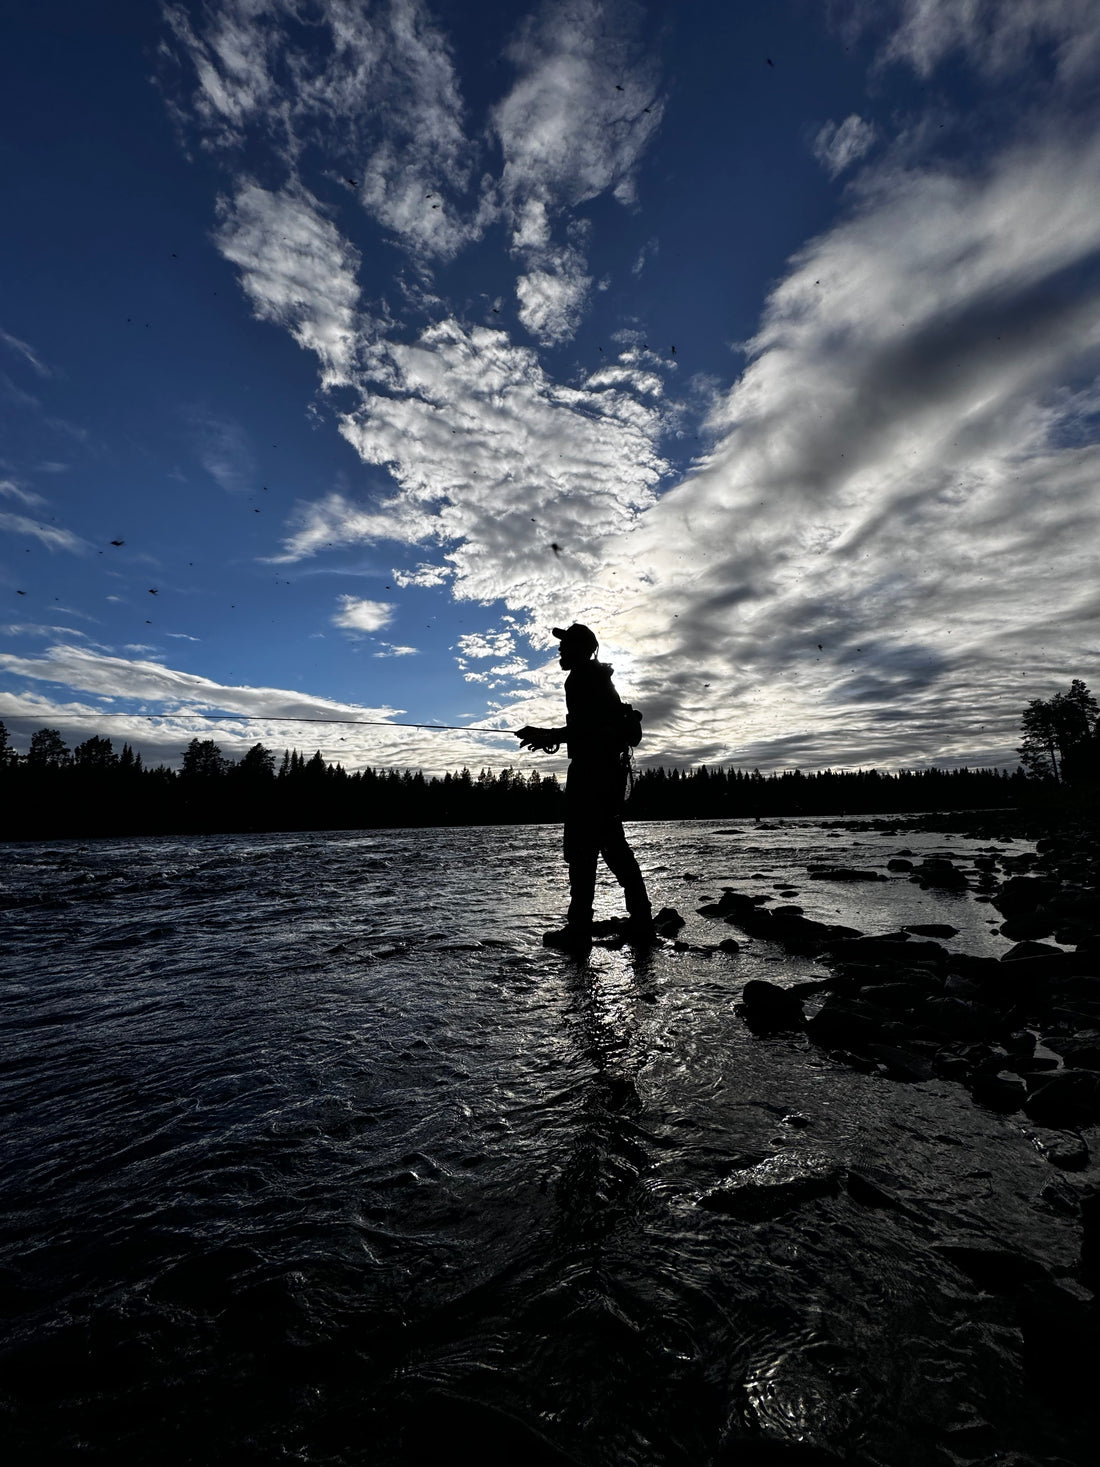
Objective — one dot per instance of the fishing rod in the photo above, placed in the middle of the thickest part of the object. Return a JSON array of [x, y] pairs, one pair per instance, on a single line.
[[279, 718]]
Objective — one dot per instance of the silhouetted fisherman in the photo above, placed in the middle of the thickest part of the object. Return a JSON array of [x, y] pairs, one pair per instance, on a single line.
[[598, 734]]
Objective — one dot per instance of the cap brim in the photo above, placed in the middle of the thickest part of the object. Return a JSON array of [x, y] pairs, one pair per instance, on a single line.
[[559, 632]]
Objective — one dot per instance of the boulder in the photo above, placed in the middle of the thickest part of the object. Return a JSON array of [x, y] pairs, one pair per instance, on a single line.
[[1022, 894], [887, 952], [729, 945], [1064, 1149], [1030, 950], [1003, 1091], [793, 930], [902, 996], [899, 863], [845, 1023], [941, 874], [1067, 1100], [769, 1007], [1078, 1051], [1028, 927], [958, 1018], [951, 1065]]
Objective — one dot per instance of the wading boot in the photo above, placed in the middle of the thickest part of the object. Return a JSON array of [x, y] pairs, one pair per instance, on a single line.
[[639, 931], [574, 937]]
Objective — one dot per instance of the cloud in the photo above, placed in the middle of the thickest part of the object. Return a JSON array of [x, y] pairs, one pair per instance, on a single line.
[[10, 490], [486, 644], [297, 270], [225, 452], [394, 649], [28, 353], [51, 536], [247, 714], [897, 471], [360, 615], [574, 125], [551, 300], [648, 251], [500, 463], [375, 85], [581, 113], [997, 38], [335, 520], [897, 518], [425, 574], [837, 147]]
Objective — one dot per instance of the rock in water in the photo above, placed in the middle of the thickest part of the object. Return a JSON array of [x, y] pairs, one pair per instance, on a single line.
[[1067, 1101], [784, 1180], [768, 1006], [668, 921], [844, 873]]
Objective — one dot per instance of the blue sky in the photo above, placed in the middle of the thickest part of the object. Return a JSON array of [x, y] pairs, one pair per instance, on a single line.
[[354, 323]]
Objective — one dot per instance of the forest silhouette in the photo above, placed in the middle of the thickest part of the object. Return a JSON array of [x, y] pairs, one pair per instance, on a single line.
[[93, 790]]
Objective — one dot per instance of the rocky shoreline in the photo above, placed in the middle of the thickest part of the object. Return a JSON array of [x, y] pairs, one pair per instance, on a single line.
[[1022, 1032]]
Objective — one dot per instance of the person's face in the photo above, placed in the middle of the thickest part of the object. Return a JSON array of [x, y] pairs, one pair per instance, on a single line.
[[569, 656]]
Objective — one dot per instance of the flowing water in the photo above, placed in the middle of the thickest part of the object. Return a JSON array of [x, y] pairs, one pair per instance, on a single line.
[[312, 1153]]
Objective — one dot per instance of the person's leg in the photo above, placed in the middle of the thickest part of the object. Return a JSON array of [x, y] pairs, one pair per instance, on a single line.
[[582, 881], [581, 848], [624, 867]]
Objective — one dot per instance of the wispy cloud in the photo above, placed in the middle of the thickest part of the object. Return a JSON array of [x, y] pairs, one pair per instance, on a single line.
[[838, 145], [995, 38], [250, 714], [52, 536], [395, 649], [425, 574], [11, 490], [224, 450], [26, 351]]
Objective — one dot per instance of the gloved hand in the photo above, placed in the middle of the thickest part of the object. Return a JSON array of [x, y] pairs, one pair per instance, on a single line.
[[534, 738]]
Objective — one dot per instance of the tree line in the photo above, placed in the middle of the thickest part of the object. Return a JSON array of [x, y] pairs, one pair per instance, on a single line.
[[91, 790]]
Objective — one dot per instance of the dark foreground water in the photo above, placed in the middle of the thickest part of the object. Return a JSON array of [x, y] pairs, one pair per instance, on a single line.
[[312, 1154]]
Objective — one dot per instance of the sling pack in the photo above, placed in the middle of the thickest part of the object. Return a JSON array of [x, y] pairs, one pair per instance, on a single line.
[[632, 726]]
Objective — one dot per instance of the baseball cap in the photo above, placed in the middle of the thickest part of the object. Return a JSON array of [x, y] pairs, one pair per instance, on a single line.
[[578, 635]]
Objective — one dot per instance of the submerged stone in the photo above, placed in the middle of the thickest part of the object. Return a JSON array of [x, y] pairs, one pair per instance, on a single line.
[[844, 873], [783, 1181]]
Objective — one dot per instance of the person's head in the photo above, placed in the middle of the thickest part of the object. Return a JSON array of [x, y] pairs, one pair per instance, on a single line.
[[578, 644]]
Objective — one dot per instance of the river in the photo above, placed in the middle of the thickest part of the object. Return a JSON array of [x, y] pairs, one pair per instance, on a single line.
[[312, 1153]]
